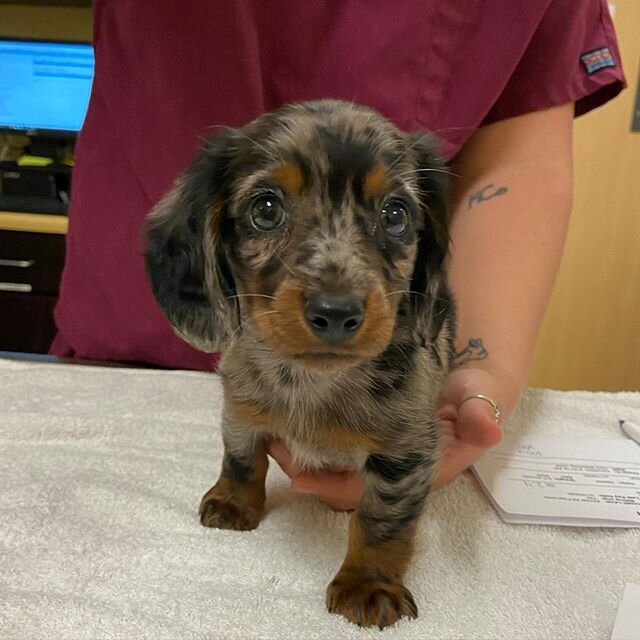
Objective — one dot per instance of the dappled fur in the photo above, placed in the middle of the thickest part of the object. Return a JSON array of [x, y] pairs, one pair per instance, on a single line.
[[366, 404]]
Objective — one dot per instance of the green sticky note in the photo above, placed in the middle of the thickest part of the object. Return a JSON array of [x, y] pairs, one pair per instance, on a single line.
[[34, 161]]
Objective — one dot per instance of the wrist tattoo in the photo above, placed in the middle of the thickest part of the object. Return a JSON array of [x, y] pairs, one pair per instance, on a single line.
[[475, 350], [486, 193]]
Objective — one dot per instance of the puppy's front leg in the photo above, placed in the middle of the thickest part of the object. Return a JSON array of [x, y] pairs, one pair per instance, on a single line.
[[369, 589], [236, 501]]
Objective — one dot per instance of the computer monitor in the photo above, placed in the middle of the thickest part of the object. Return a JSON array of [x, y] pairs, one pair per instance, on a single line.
[[44, 86]]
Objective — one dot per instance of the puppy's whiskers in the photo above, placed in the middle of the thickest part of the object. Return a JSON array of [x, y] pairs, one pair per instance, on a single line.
[[251, 295], [407, 173], [255, 142], [236, 331], [406, 151], [252, 319], [285, 265], [267, 313]]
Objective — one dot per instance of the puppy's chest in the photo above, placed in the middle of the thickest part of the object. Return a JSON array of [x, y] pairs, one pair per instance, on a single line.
[[316, 440], [318, 423]]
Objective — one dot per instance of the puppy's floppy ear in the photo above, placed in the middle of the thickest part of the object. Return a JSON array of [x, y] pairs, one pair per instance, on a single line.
[[431, 300], [185, 259]]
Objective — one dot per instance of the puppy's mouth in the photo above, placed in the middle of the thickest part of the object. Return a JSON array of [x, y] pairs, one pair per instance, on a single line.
[[325, 361]]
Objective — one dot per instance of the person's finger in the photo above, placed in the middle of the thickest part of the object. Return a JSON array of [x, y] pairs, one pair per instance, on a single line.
[[455, 460], [341, 490], [283, 457]]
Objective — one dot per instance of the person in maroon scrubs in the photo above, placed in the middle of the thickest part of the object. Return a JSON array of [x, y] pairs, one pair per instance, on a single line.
[[499, 82]]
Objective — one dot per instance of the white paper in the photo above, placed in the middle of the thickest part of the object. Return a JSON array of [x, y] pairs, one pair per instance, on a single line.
[[562, 481], [627, 625]]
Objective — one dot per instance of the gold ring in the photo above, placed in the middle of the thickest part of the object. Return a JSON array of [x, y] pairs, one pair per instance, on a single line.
[[491, 401]]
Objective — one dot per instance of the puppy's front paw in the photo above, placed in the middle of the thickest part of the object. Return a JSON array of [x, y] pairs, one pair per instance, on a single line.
[[369, 601], [226, 513]]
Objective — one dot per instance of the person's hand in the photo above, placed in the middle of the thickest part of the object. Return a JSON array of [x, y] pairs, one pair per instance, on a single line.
[[468, 425], [467, 430], [340, 489]]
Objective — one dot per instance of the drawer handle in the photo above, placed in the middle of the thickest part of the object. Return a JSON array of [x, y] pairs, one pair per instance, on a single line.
[[19, 264], [16, 287]]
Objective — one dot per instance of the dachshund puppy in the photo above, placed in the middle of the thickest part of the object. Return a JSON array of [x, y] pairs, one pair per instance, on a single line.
[[309, 247]]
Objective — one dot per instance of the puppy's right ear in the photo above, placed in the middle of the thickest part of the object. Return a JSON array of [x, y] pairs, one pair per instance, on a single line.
[[190, 276]]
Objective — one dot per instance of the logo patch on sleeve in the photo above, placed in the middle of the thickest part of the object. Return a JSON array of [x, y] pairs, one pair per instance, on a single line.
[[597, 59]]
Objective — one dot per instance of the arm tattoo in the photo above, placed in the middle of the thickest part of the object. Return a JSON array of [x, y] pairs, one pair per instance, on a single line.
[[486, 193], [473, 351]]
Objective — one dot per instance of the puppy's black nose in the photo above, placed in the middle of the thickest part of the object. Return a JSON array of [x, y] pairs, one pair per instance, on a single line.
[[334, 318]]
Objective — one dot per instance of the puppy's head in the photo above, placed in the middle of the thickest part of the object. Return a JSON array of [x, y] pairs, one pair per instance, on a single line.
[[314, 227]]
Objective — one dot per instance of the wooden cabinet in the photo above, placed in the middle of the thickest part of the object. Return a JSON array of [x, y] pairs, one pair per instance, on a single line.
[[30, 269]]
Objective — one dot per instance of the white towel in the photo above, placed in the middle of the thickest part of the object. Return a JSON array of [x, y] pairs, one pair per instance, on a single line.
[[101, 473]]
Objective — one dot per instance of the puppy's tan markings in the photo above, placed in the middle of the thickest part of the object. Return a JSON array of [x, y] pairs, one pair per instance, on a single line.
[[336, 437], [290, 178], [368, 589], [375, 182], [246, 413], [286, 330], [378, 325], [237, 499]]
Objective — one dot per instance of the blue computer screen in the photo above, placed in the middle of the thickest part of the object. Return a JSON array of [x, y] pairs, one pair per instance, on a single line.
[[44, 85]]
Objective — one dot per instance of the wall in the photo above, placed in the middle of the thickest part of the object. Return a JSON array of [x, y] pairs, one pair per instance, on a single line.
[[591, 336], [57, 23]]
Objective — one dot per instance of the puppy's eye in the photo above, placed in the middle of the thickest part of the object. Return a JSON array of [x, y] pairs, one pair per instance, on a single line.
[[394, 218], [267, 213]]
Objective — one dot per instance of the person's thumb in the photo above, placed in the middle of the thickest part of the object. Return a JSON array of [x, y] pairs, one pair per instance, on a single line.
[[476, 422], [473, 419]]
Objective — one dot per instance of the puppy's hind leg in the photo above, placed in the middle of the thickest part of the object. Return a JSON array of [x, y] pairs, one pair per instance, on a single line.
[[236, 501]]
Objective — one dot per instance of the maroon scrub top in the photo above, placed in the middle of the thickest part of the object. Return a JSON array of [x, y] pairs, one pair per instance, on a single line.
[[167, 71]]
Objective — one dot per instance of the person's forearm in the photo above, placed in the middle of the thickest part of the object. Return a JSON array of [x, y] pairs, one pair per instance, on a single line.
[[511, 207]]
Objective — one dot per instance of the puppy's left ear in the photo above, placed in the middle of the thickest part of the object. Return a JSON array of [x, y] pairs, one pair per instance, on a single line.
[[431, 300], [185, 259]]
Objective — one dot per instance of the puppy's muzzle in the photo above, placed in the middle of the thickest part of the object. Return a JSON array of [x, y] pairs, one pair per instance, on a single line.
[[335, 319]]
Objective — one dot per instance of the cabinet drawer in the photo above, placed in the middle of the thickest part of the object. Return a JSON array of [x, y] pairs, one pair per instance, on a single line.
[[31, 262], [26, 322]]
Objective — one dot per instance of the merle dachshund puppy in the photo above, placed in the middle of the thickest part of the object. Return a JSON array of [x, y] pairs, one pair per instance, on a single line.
[[309, 245]]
